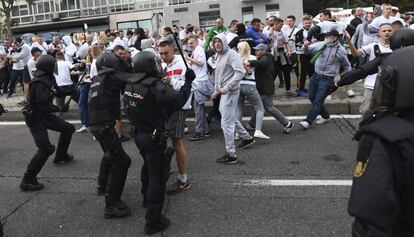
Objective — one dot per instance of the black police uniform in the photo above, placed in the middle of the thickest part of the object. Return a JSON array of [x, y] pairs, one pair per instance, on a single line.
[[39, 117], [382, 194], [104, 109], [149, 104]]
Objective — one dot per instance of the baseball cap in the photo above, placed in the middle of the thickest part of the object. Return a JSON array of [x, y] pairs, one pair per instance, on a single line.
[[332, 33], [34, 50], [260, 47]]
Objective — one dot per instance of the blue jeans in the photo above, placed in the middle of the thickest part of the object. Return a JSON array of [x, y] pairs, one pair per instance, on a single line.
[[15, 76], [318, 86], [82, 100], [250, 93]]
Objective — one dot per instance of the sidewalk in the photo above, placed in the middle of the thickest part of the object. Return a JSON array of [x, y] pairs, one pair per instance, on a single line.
[[290, 106]]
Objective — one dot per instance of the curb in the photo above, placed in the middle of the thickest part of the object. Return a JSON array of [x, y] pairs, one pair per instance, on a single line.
[[297, 108]]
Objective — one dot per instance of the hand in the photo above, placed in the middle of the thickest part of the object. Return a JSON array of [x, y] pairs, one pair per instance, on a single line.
[[306, 43], [214, 95], [289, 54], [190, 75], [261, 41], [332, 89], [222, 91], [167, 79], [347, 36]]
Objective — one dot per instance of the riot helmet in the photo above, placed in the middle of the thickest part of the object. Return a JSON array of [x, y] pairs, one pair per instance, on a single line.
[[46, 63], [402, 38], [395, 85], [108, 60], [147, 62]]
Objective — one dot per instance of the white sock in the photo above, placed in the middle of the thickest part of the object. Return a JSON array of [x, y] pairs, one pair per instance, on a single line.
[[182, 178]]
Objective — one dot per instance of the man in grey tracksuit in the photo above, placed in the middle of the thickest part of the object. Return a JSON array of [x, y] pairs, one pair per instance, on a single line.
[[229, 72]]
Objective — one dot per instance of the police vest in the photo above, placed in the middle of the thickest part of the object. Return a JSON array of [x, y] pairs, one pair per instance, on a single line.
[[141, 106], [104, 104]]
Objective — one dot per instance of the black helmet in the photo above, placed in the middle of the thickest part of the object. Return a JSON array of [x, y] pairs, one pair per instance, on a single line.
[[394, 88], [147, 62], [108, 60], [46, 63], [402, 38]]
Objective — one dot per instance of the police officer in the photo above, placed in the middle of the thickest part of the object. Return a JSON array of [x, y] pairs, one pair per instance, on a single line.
[[150, 102], [39, 117], [382, 195], [104, 109]]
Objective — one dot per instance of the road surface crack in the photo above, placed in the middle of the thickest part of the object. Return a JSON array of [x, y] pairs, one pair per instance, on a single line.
[[4, 220]]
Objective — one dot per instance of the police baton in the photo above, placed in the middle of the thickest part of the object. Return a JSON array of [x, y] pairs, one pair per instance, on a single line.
[[65, 107], [181, 51]]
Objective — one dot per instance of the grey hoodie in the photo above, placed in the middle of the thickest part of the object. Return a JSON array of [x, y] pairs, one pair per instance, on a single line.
[[229, 68]]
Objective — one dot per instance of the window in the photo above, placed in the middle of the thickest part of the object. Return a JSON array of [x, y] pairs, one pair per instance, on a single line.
[[145, 24], [213, 6], [177, 23], [180, 9], [247, 14], [127, 25], [272, 10], [207, 19]]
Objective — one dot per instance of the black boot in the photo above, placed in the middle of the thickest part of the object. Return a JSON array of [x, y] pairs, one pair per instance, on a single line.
[[118, 210], [63, 160], [152, 227], [30, 183]]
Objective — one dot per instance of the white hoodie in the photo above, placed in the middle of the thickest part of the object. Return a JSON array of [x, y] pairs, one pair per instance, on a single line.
[[70, 49]]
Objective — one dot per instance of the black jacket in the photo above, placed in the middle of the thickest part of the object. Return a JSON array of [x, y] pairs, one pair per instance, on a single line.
[[41, 93], [150, 102], [105, 105], [382, 193], [264, 73]]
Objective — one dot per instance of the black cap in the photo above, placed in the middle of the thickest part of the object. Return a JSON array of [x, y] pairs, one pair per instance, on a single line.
[[332, 33], [34, 50]]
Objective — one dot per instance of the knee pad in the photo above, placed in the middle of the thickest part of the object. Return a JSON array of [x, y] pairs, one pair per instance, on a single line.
[[47, 150]]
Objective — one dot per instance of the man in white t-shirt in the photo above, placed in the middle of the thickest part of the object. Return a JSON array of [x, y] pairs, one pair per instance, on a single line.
[[232, 33], [372, 49], [39, 43], [202, 88], [175, 69], [289, 29], [385, 18], [184, 35], [63, 77]]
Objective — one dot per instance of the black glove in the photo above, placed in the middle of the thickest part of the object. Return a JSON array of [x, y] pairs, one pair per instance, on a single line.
[[190, 75], [331, 89]]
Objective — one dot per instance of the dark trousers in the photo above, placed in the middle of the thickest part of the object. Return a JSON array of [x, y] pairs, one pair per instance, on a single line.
[[154, 174], [305, 69], [38, 126], [115, 162], [15, 76]]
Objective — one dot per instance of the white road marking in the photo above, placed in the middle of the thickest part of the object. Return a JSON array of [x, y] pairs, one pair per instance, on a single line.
[[269, 118], [277, 182]]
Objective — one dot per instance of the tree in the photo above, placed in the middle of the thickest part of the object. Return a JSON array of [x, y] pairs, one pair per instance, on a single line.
[[5, 10]]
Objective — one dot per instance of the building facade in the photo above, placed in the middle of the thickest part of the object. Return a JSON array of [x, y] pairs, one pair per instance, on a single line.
[[70, 15]]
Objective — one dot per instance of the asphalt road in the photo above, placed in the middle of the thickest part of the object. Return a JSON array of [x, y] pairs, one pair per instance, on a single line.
[[246, 199]]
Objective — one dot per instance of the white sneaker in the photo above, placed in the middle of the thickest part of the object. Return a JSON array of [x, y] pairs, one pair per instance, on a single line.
[[350, 93], [259, 134], [288, 127], [329, 97], [237, 137], [185, 129], [322, 120], [304, 124], [83, 129]]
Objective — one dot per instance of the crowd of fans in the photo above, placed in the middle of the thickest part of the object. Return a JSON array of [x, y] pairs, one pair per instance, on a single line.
[[269, 49]]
